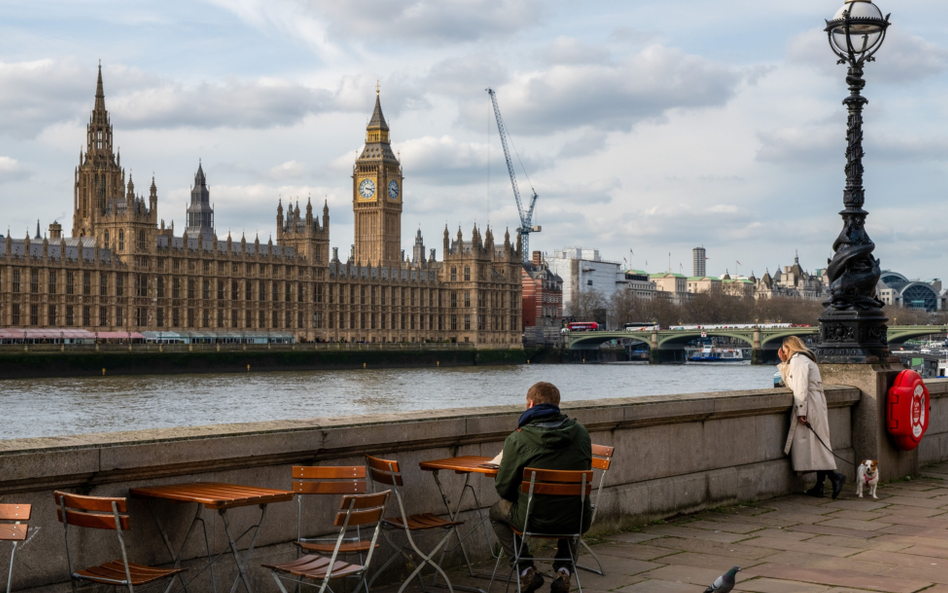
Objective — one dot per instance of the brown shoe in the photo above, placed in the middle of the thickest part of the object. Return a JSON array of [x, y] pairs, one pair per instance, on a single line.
[[561, 583], [531, 581]]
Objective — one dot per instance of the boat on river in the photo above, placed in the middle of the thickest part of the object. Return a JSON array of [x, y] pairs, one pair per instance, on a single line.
[[710, 354]]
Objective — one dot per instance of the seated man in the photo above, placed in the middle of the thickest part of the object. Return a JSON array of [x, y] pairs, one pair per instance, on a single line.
[[545, 439]]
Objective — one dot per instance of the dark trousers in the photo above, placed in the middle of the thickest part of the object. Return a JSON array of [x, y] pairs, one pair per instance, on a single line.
[[500, 520]]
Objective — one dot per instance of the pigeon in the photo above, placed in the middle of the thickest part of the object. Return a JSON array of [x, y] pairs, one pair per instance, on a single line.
[[724, 583]]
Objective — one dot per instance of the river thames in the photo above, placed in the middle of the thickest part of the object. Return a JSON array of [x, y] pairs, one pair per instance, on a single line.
[[63, 406]]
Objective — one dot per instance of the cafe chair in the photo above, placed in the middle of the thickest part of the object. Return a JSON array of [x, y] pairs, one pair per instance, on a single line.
[[386, 471], [547, 482], [356, 510], [601, 460], [13, 528], [322, 481], [99, 512]]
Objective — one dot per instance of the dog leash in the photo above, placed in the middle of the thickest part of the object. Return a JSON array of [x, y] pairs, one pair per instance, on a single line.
[[807, 424]]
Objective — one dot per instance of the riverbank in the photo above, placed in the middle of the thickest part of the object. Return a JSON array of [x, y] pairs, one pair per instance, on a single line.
[[149, 359]]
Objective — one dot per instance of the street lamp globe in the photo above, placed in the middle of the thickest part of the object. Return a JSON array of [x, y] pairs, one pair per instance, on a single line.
[[856, 31]]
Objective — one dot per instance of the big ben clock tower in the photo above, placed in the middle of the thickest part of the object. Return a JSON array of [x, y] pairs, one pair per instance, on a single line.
[[377, 196]]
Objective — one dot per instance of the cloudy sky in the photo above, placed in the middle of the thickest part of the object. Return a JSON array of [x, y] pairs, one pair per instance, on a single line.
[[646, 127]]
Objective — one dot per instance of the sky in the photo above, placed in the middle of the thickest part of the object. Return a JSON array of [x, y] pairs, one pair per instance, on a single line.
[[647, 128]]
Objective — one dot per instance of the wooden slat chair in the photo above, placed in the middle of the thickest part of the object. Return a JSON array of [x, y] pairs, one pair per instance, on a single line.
[[601, 460], [13, 528], [98, 512], [386, 471], [547, 482], [357, 510]]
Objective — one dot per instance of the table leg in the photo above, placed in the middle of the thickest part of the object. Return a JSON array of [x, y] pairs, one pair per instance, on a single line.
[[241, 566], [453, 515]]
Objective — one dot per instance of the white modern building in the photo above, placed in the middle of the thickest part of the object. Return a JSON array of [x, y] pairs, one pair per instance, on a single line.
[[582, 270]]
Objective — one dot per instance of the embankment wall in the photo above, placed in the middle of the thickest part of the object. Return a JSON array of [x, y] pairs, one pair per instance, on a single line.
[[674, 454]]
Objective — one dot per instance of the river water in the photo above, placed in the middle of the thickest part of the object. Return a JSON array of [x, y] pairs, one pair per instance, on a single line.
[[63, 406]]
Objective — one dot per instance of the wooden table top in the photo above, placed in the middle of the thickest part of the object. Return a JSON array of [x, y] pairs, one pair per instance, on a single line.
[[468, 464], [214, 495]]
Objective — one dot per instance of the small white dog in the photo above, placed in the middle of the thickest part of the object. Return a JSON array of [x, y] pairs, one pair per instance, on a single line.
[[867, 474]]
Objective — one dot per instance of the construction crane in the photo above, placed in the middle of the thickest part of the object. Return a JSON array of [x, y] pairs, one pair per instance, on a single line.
[[526, 218]]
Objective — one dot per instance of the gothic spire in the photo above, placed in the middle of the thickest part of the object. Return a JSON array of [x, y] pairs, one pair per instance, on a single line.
[[378, 120], [99, 93]]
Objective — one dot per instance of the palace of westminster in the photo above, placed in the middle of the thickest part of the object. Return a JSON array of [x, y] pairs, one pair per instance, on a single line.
[[122, 271]]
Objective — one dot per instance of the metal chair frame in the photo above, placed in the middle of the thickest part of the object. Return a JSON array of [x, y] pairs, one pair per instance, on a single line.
[[117, 517], [349, 505], [387, 473], [601, 460], [551, 483], [19, 515]]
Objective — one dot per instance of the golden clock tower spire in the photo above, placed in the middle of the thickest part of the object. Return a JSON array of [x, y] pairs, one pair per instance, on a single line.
[[377, 196]]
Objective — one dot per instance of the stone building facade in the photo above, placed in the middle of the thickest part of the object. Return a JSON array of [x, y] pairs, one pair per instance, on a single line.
[[542, 294], [123, 270]]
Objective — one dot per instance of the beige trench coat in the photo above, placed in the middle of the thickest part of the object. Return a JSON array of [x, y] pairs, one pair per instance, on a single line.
[[807, 454]]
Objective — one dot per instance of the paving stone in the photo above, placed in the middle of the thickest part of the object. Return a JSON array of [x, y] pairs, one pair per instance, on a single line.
[[765, 585], [926, 522], [711, 561], [802, 546], [687, 574], [914, 511], [633, 551], [842, 578], [708, 547], [745, 510], [728, 526], [777, 519], [672, 530], [928, 551], [916, 502], [808, 560], [625, 566], [858, 543], [832, 530], [913, 530], [856, 524], [906, 558], [935, 574], [789, 534], [633, 537], [857, 504], [858, 515], [656, 586], [611, 580]]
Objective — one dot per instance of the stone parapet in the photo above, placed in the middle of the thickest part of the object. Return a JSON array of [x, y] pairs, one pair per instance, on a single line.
[[673, 454]]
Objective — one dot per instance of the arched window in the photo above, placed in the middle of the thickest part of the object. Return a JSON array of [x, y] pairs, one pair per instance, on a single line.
[[141, 240], [121, 240], [467, 273], [454, 274]]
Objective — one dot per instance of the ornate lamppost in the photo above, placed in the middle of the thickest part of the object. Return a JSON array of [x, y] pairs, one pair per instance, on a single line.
[[853, 325]]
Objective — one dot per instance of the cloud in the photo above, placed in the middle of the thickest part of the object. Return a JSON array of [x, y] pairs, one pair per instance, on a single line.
[[902, 58], [589, 142], [723, 209], [37, 93], [287, 170], [465, 75], [11, 170], [610, 96], [569, 50], [809, 145]]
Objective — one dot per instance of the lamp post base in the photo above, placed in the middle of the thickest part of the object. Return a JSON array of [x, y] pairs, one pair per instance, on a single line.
[[853, 336]]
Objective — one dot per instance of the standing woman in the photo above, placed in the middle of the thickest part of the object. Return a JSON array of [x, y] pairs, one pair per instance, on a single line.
[[809, 424]]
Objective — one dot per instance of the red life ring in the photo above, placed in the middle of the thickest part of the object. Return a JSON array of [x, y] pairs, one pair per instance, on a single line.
[[908, 409]]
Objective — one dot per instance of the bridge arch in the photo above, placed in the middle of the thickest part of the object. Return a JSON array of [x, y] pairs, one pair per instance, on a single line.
[[800, 332], [683, 337]]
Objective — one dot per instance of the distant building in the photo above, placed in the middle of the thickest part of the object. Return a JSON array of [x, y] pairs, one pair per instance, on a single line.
[[792, 282], [699, 284], [671, 286], [698, 265], [638, 283], [542, 294], [897, 290], [583, 270]]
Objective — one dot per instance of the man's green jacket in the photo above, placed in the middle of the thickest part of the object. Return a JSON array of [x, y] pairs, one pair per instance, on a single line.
[[548, 442]]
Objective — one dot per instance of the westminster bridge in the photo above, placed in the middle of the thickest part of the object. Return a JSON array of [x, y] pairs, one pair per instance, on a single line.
[[667, 345]]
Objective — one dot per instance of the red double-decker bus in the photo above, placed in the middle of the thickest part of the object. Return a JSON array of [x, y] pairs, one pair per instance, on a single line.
[[583, 326]]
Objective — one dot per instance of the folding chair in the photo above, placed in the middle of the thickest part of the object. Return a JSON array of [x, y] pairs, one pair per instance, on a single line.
[[549, 482], [13, 532], [98, 512], [601, 460], [385, 471], [328, 481], [357, 510]]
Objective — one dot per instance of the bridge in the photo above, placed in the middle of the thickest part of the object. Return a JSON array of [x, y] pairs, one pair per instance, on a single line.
[[757, 338]]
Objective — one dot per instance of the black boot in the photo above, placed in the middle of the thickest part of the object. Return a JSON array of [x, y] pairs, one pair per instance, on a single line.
[[837, 480], [817, 490]]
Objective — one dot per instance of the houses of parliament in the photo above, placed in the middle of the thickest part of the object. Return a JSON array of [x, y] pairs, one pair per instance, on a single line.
[[123, 270]]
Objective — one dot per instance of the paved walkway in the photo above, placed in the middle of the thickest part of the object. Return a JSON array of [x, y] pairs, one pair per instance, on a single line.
[[793, 544]]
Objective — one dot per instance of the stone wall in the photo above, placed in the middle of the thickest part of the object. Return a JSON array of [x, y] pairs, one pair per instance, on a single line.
[[934, 445], [674, 454]]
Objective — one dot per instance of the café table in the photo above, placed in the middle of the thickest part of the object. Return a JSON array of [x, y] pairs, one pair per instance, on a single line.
[[219, 497], [467, 465]]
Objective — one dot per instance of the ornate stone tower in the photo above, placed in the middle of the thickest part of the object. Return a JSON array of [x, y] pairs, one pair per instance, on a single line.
[[99, 178], [377, 196], [200, 212]]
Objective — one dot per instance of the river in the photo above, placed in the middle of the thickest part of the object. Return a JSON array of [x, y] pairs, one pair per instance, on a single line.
[[64, 406]]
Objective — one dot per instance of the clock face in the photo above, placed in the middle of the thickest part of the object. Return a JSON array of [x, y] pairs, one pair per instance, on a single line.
[[393, 189], [367, 188]]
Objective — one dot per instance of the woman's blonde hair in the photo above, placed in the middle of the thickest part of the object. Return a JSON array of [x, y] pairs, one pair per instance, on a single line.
[[793, 344]]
